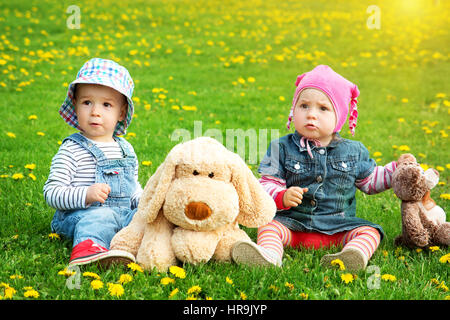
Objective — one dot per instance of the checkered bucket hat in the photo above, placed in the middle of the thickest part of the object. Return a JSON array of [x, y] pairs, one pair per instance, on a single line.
[[107, 73]]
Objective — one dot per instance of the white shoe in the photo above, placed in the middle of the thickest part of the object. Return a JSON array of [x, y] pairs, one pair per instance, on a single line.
[[249, 253], [353, 259]]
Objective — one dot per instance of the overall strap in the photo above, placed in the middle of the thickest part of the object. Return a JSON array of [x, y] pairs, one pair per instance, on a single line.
[[88, 145], [124, 145]]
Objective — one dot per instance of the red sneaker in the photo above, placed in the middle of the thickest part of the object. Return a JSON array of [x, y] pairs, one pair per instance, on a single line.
[[88, 251]]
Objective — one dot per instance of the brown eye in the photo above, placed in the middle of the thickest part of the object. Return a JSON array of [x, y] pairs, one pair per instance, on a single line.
[[211, 175], [195, 173]]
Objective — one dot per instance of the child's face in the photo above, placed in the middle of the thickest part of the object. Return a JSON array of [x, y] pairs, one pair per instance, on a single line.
[[98, 110], [314, 116]]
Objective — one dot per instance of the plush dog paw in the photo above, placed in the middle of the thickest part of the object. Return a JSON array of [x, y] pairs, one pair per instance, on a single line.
[[194, 246]]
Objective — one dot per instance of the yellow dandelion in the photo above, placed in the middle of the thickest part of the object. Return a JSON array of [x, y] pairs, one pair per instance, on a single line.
[[125, 278], [131, 134], [9, 291], [434, 248], [66, 272], [177, 272], [53, 236], [338, 262], [304, 296], [388, 277], [96, 284], [405, 100], [289, 285], [281, 98], [32, 176], [115, 289], [273, 288], [189, 108], [40, 133], [404, 148], [91, 275], [30, 166], [243, 296], [31, 294], [347, 277], [32, 117], [445, 196], [442, 286], [166, 280], [15, 276], [445, 258], [10, 134], [401, 120], [228, 280], [251, 79], [440, 95], [17, 176], [194, 290], [173, 292], [146, 163], [135, 267]]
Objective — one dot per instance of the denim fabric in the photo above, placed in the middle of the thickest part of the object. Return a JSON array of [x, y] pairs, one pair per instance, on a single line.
[[100, 222], [329, 206]]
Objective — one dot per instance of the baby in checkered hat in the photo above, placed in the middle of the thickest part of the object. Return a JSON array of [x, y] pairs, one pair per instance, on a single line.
[[93, 181]]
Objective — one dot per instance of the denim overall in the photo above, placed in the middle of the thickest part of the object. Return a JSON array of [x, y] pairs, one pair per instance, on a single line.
[[100, 222], [329, 206]]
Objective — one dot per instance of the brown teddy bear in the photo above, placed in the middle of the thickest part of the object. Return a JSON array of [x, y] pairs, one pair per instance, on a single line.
[[423, 222], [191, 207]]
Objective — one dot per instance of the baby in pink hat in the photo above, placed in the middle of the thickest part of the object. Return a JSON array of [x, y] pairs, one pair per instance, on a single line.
[[312, 175]]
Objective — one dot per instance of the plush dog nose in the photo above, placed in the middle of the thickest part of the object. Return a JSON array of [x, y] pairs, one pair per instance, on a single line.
[[197, 211]]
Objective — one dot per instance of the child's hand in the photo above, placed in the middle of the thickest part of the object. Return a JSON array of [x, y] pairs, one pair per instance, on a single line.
[[293, 196], [97, 192]]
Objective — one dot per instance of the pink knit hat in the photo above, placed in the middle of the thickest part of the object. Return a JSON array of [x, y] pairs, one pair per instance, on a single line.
[[339, 90]]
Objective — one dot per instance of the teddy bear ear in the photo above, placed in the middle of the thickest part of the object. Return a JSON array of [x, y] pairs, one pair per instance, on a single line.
[[256, 207], [155, 190]]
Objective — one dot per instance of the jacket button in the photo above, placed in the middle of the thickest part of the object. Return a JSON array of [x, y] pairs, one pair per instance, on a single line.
[[319, 179], [313, 203]]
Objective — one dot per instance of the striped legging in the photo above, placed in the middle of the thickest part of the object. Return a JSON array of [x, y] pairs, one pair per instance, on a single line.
[[274, 236]]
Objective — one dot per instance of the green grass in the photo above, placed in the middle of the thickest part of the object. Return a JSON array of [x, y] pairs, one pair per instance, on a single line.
[[196, 52]]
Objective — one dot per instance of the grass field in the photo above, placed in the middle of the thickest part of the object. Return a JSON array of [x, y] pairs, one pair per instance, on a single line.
[[228, 65]]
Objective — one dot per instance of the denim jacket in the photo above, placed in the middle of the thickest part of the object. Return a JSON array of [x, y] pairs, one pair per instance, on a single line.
[[329, 206]]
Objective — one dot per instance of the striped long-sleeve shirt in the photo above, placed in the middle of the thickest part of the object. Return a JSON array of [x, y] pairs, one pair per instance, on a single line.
[[73, 171], [378, 181]]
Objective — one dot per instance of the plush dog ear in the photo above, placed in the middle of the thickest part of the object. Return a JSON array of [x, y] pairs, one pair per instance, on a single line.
[[256, 207], [155, 190]]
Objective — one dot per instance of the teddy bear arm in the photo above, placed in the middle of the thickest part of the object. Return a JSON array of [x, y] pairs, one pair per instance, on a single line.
[[413, 230], [194, 246]]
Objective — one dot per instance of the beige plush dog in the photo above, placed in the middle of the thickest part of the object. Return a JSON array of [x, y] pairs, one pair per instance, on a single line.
[[191, 207]]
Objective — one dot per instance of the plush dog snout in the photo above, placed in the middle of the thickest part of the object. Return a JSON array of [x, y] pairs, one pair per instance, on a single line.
[[197, 211]]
